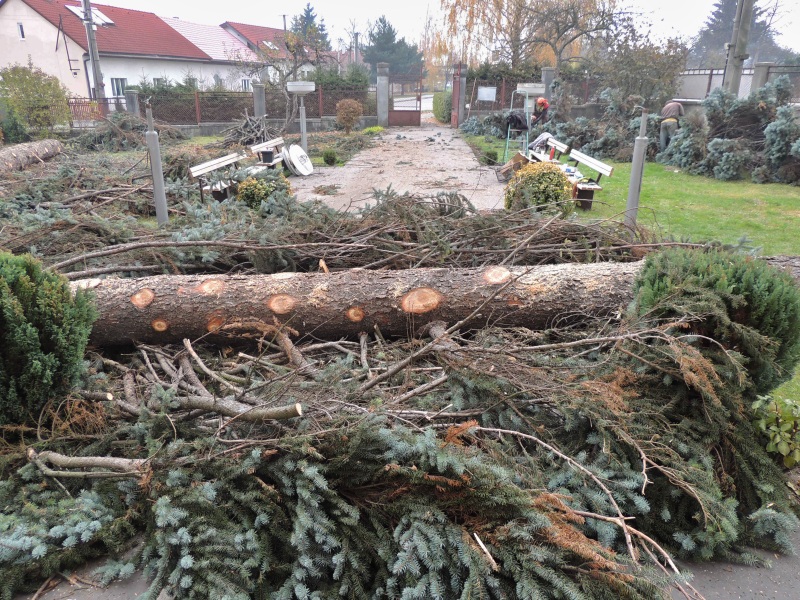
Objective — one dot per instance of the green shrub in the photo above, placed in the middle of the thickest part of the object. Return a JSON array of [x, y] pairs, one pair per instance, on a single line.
[[329, 156], [348, 112], [489, 157], [37, 99], [44, 331], [540, 185], [255, 190], [749, 308], [442, 106], [374, 130], [779, 420]]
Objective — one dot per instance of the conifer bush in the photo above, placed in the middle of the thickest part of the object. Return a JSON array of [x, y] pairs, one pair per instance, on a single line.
[[539, 185], [44, 331], [442, 106], [749, 307]]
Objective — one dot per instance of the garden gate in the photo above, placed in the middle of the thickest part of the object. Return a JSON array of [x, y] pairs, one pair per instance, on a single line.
[[405, 100]]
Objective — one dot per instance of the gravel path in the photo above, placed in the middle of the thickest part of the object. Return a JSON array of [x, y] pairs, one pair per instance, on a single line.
[[419, 160]]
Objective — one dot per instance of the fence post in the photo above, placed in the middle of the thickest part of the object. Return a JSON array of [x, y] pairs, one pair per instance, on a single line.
[[319, 98], [760, 75], [383, 94], [132, 102], [197, 106], [259, 100], [503, 94], [548, 75]]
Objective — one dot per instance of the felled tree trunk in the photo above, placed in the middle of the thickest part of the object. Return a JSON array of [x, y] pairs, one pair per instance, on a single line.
[[19, 156], [169, 308]]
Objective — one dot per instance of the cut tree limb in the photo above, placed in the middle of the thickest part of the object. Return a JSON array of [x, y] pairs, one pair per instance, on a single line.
[[169, 308], [19, 156]]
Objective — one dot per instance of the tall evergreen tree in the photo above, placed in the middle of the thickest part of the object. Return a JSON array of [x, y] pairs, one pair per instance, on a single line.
[[315, 33], [384, 46], [708, 49]]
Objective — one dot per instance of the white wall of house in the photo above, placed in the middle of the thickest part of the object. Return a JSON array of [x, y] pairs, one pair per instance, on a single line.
[[135, 69], [39, 44]]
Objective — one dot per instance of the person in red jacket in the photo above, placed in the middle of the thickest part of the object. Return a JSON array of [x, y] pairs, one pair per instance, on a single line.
[[540, 111]]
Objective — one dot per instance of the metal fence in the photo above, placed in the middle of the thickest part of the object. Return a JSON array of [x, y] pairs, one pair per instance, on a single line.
[[792, 72], [699, 83], [322, 102], [85, 112], [200, 107]]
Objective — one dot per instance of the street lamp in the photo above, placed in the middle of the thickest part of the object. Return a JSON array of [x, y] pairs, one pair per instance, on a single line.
[[301, 88]]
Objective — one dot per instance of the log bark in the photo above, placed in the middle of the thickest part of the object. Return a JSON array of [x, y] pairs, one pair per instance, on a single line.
[[19, 156], [169, 308]]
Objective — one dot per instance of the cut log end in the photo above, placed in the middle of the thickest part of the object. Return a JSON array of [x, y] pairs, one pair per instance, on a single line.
[[355, 314], [281, 304], [497, 275], [160, 325], [420, 301], [143, 298]]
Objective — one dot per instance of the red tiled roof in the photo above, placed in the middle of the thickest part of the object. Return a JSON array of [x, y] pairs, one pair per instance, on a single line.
[[134, 32], [258, 36]]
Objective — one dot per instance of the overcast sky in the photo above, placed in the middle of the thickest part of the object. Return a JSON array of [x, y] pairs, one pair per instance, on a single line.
[[677, 17]]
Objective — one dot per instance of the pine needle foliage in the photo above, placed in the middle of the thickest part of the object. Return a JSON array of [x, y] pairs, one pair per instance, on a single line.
[[44, 331]]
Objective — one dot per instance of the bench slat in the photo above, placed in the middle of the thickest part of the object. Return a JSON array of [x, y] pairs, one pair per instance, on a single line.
[[560, 146], [592, 163], [217, 163], [273, 143]]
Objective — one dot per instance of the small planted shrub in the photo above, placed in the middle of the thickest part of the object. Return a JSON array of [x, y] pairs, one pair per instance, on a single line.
[[329, 156], [374, 130], [255, 190], [44, 330], [348, 112], [442, 106], [539, 185], [489, 157], [778, 419]]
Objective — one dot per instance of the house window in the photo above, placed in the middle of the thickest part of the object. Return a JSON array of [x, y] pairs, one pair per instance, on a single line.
[[245, 85], [21, 31], [118, 86]]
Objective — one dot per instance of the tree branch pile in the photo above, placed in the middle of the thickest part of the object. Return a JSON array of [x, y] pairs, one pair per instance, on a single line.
[[573, 459]]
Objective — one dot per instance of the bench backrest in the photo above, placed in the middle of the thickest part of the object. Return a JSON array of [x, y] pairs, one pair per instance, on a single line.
[[273, 143], [217, 163], [561, 147], [592, 163]]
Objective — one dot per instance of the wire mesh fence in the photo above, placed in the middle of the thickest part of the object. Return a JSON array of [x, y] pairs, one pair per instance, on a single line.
[[792, 72], [200, 107], [322, 101]]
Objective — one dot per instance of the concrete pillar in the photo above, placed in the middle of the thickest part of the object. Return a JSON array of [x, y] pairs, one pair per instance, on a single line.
[[259, 100], [383, 94], [462, 95], [455, 95], [132, 102], [760, 75], [548, 75]]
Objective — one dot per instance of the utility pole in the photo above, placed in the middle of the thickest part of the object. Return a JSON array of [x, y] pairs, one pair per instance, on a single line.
[[355, 54], [94, 55], [737, 51]]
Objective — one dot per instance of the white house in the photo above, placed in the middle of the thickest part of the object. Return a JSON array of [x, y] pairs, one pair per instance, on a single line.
[[133, 45]]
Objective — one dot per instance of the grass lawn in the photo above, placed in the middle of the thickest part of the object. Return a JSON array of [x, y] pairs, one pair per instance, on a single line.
[[694, 208]]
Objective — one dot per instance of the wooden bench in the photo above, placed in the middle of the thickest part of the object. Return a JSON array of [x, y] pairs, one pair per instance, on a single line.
[[557, 149], [269, 153], [201, 171], [584, 190]]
